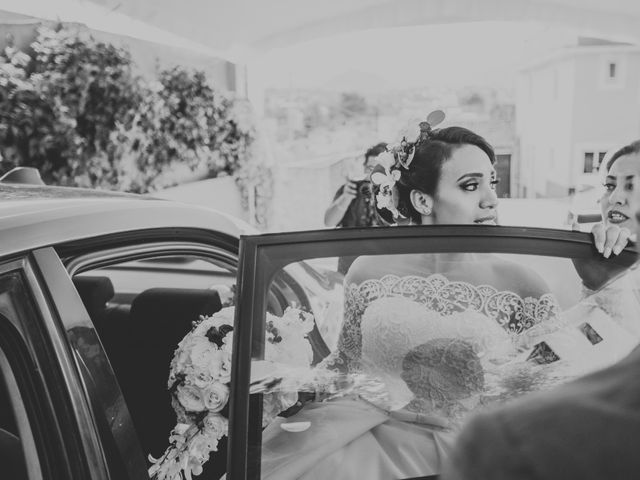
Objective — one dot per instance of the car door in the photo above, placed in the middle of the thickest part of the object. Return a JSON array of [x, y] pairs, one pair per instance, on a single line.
[[556, 330], [47, 428], [121, 305]]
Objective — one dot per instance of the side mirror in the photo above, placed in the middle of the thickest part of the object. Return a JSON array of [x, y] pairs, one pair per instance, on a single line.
[[22, 175]]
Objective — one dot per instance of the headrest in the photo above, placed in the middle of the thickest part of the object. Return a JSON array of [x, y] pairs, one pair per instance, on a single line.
[[95, 292], [171, 311]]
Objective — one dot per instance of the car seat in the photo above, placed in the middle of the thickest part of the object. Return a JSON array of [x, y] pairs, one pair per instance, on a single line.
[[160, 318]]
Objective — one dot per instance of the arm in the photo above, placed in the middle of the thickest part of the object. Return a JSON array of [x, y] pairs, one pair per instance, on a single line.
[[343, 198]]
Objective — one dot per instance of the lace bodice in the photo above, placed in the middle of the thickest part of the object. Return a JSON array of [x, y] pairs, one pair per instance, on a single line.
[[441, 299]]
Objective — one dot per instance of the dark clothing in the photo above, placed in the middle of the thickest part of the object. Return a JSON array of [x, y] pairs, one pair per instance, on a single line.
[[588, 429], [361, 212]]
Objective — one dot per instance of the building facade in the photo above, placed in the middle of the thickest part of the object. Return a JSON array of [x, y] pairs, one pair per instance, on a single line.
[[573, 107]]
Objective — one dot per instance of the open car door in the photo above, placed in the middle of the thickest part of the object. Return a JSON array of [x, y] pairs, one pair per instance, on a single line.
[[429, 324]]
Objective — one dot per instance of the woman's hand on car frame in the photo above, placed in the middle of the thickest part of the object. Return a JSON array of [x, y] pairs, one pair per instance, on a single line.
[[609, 239]]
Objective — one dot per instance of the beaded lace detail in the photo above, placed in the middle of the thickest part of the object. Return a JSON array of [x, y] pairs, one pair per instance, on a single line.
[[514, 314]]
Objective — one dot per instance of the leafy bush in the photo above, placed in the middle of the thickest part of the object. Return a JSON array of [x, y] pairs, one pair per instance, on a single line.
[[182, 122], [74, 109]]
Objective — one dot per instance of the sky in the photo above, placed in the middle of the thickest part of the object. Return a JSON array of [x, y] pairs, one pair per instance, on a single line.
[[482, 53]]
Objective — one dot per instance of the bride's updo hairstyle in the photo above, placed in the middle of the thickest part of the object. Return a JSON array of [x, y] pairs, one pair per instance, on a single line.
[[419, 167]]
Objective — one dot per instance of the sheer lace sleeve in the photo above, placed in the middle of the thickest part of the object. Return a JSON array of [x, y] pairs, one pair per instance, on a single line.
[[347, 356]]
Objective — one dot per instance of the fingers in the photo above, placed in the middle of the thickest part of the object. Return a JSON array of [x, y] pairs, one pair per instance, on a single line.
[[621, 241], [599, 235], [611, 239], [350, 189]]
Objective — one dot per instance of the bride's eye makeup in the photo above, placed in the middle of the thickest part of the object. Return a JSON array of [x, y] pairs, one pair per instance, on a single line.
[[474, 185], [470, 186]]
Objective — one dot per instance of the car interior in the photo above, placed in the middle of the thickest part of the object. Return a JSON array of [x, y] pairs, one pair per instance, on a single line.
[[140, 331], [140, 339]]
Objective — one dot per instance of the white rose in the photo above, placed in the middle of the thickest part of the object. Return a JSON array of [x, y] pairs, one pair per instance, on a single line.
[[215, 423], [216, 397], [217, 365], [201, 352], [224, 375], [201, 379], [190, 398]]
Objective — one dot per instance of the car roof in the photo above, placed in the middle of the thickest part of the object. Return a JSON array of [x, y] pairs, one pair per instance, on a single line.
[[38, 216]]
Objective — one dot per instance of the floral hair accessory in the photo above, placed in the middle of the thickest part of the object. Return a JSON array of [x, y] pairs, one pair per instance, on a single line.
[[400, 155], [199, 385], [385, 176]]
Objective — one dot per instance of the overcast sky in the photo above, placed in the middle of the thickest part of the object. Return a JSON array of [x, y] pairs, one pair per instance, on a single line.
[[455, 55]]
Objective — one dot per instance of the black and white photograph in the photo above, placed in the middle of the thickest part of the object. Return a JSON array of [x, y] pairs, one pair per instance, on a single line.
[[319, 240]]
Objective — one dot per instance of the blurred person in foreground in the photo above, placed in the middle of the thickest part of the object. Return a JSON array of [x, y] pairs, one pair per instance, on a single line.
[[352, 204], [587, 429]]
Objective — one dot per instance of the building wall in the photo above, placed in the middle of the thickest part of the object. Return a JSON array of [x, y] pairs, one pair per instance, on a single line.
[[565, 106], [544, 102], [607, 113]]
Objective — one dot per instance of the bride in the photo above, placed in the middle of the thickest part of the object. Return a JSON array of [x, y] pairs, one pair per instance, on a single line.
[[432, 329]]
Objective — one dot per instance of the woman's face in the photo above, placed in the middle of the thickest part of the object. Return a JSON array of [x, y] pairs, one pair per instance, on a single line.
[[617, 203], [466, 192]]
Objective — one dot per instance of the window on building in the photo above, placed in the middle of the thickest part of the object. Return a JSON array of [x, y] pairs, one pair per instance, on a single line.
[[588, 162], [612, 72], [601, 156], [593, 160]]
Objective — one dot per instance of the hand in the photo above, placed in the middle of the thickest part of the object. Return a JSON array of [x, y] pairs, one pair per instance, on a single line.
[[350, 191], [596, 271], [611, 239]]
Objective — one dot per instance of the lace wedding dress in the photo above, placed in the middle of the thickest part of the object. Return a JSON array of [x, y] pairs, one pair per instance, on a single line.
[[432, 344]]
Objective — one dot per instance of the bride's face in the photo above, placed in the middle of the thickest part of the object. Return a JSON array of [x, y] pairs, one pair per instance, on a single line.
[[617, 204], [466, 192]]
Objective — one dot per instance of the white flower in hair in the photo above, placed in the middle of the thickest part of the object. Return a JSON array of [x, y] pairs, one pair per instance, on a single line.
[[386, 177]]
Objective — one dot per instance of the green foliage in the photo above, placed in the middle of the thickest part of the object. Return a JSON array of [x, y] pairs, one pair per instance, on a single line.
[[182, 119], [75, 110]]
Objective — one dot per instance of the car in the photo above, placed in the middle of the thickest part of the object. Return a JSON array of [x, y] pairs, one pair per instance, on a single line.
[[584, 209], [98, 288]]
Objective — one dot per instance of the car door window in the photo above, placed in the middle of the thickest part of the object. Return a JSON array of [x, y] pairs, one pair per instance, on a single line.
[[141, 310], [19, 457], [418, 341], [12, 449]]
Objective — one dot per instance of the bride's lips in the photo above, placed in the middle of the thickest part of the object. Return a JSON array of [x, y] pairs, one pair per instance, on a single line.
[[616, 217]]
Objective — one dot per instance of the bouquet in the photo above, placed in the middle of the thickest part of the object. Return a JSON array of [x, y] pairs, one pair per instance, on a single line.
[[199, 385]]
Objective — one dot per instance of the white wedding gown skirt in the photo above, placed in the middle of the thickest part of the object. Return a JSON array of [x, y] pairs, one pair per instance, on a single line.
[[350, 439]]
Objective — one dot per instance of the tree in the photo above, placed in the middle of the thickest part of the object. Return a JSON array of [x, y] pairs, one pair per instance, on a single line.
[[75, 110]]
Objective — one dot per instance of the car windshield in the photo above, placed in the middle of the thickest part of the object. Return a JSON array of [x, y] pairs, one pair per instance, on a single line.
[[418, 341]]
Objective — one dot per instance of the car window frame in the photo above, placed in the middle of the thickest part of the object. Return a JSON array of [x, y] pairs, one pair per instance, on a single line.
[[57, 412], [81, 256], [261, 256], [78, 257]]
